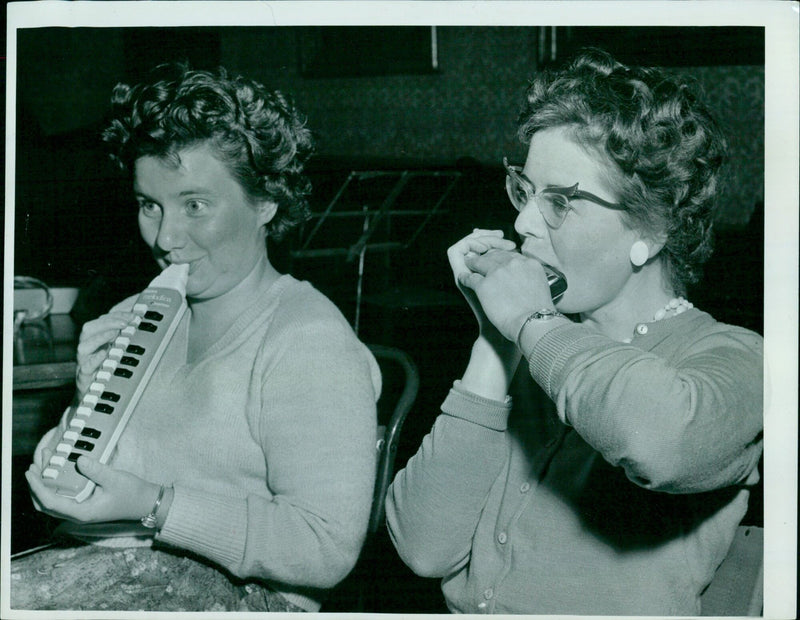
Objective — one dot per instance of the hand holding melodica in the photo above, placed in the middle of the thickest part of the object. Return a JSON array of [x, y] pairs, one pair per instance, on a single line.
[[93, 344], [507, 285], [118, 496]]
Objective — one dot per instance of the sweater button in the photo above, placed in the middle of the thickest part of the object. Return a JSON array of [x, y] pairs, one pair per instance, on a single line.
[[525, 487], [488, 593], [502, 538]]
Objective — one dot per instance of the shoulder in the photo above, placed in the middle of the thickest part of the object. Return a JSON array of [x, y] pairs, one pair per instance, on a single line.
[[699, 340], [301, 306], [308, 326], [705, 330], [307, 318]]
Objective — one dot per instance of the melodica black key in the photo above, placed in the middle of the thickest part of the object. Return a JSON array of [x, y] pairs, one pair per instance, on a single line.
[[162, 303]]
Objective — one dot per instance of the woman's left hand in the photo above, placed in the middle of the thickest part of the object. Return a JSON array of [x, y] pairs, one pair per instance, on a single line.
[[118, 496], [509, 286]]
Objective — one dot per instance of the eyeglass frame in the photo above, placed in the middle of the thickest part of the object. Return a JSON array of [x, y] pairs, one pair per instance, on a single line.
[[515, 173]]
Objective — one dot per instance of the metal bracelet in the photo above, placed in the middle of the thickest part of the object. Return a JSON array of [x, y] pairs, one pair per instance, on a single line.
[[150, 521], [545, 314]]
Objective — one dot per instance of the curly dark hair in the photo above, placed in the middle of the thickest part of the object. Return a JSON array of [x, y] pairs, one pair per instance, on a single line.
[[661, 141], [257, 133]]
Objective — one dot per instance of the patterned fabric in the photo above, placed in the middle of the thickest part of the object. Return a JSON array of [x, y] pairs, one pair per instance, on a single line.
[[75, 576]]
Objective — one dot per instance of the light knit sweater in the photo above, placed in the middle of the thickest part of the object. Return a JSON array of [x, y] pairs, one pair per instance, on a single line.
[[269, 441], [622, 499]]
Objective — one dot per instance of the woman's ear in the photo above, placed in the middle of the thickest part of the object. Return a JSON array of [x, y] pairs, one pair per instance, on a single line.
[[646, 248], [266, 210], [655, 243]]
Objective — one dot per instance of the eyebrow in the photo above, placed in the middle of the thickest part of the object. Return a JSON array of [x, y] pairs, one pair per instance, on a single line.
[[550, 186], [200, 191]]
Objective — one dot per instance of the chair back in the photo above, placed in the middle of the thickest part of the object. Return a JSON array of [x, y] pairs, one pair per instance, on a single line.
[[738, 585], [400, 388]]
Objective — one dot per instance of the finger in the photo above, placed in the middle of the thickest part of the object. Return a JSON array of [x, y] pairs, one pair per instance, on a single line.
[[479, 245], [94, 470], [41, 459], [91, 361], [487, 232], [108, 319], [34, 498], [87, 467], [469, 279], [40, 494], [111, 321], [49, 502], [88, 345], [489, 261], [102, 330]]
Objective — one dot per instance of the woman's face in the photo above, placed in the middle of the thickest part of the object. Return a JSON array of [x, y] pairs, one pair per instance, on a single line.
[[592, 246], [197, 213]]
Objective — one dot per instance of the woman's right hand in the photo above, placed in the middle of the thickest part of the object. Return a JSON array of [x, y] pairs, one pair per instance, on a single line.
[[479, 241], [43, 451], [493, 357], [93, 344]]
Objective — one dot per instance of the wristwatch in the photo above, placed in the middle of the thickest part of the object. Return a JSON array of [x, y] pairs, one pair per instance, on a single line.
[[545, 314]]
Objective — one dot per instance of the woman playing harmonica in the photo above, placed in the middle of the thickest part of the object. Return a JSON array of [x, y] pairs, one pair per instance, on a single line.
[[609, 474]]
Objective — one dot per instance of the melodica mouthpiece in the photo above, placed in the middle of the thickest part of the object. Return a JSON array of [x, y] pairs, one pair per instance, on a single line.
[[174, 277]]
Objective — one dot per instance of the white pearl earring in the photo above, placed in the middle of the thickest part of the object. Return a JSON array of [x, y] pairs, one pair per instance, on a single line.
[[639, 253]]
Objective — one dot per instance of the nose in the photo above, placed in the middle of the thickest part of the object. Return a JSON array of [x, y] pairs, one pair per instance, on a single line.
[[529, 222], [171, 234]]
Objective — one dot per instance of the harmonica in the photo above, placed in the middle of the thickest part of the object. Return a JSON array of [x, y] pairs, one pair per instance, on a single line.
[[557, 283], [95, 424]]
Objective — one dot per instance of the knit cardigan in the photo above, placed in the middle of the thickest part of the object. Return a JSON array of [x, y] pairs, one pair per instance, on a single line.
[[613, 487], [269, 441]]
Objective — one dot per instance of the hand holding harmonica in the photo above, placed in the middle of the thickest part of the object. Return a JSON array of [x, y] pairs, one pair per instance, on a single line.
[[505, 285]]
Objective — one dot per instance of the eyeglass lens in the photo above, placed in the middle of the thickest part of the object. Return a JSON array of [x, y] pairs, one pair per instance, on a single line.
[[553, 207]]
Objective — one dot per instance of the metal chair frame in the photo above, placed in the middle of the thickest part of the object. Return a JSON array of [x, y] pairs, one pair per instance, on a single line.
[[388, 441]]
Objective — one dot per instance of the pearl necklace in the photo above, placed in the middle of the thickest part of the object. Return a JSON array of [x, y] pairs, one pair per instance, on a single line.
[[674, 307]]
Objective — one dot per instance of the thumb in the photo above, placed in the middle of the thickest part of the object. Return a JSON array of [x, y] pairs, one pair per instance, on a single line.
[[94, 470], [469, 279]]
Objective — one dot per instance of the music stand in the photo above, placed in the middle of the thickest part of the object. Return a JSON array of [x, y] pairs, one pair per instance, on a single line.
[[394, 183]]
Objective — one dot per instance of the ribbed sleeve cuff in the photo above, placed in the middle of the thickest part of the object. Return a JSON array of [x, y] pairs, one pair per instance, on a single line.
[[492, 414], [552, 352], [212, 526]]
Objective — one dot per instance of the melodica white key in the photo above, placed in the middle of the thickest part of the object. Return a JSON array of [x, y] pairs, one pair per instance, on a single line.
[[95, 424]]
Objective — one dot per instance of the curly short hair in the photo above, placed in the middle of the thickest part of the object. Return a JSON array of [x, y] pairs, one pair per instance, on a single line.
[[258, 134], [664, 148]]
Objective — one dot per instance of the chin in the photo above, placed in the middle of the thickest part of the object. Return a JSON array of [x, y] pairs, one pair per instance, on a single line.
[[565, 305]]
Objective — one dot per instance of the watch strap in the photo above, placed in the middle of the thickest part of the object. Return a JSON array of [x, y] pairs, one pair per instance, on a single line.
[[545, 314]]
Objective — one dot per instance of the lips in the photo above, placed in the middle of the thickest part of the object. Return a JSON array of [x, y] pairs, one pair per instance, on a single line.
[[548, 264], [192, 264], [528, 254]]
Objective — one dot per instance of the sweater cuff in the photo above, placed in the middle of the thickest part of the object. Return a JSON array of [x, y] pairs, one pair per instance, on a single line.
[[551, 353], [466, 405], [206, 524]]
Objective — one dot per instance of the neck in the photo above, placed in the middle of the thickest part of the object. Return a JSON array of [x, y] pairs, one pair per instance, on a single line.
[[642, 296], [222, 311]]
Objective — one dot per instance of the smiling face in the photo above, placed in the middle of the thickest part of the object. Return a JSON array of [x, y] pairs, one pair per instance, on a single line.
[[591, 247], [197, 213]]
